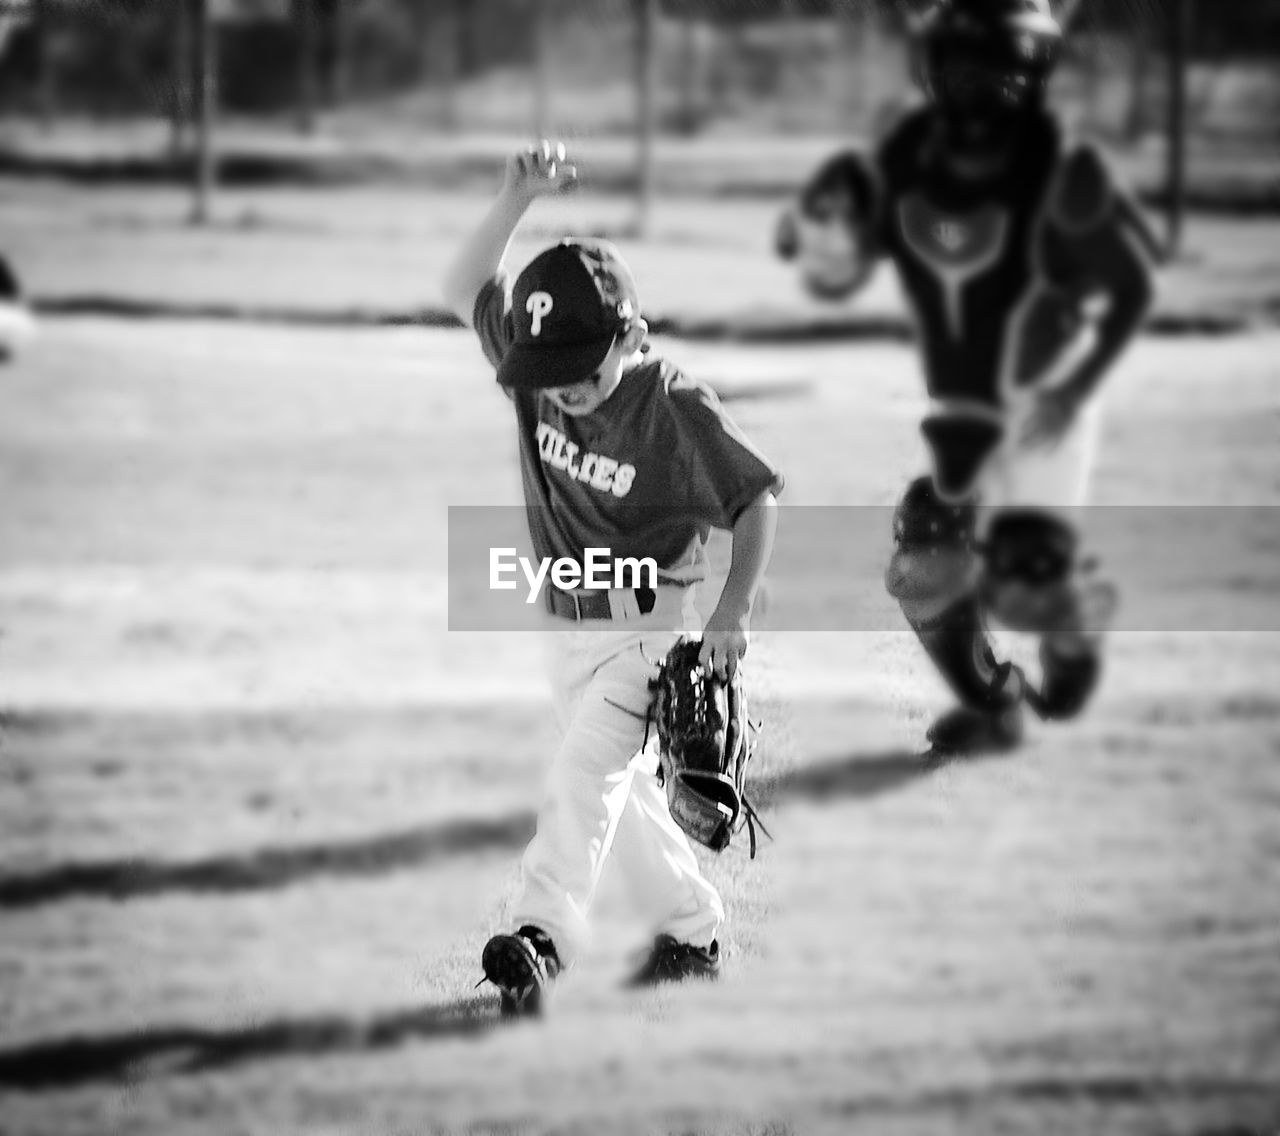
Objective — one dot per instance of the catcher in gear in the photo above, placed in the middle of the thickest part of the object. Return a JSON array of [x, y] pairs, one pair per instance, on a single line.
[[619, 450], [704, 745], [1028, 271]]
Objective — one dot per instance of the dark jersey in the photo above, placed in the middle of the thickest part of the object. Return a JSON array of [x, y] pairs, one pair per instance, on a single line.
[[648, 473], [1002, 275], [963, 254]]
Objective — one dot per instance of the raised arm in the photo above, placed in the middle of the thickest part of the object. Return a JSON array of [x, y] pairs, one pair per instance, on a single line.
[[539, 171]]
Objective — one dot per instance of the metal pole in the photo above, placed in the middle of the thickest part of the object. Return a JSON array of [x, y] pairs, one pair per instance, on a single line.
[[541, 70], [788, 92], [868, 91], [849, 39], [46, 81], [339, 78], [450, 37], [306, 17], [1140, 60], [689, 75], [647, 108], [180, 110], [206, 164], [1180, 35]]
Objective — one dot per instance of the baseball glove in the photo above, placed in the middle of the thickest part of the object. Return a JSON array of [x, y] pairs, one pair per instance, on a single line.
[[704, 745], [831, 230]]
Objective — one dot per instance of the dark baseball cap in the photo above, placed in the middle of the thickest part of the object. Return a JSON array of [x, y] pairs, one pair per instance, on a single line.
[[568, 306]]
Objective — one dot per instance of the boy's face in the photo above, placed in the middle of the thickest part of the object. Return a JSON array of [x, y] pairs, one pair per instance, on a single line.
[[582, 398]]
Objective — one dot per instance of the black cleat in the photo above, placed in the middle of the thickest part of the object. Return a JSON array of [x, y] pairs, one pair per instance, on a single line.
[[1070, 680], [969, 731], [670, 961], [522, 966], [965, 732]]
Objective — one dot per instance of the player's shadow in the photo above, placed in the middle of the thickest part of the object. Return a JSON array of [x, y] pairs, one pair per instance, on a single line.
[[268, 869], [265, 869], [128, 1059], [857, 776]]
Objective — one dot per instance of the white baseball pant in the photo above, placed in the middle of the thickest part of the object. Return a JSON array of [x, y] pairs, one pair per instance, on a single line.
[[603, 797], [1051, 477]]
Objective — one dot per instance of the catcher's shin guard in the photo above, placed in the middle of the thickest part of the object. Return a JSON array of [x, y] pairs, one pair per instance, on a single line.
[[1036, 580], [932, 576], [958, 643], [989, 719], [1069, 677]]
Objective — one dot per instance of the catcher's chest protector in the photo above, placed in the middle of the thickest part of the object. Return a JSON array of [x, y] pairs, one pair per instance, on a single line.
[[964, 255]]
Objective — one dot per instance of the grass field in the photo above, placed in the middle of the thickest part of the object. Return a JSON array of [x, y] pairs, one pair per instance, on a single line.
[[259, 809]]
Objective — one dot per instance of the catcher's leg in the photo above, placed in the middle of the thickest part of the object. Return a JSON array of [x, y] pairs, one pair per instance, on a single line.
[[1035, 580], [933, 575]]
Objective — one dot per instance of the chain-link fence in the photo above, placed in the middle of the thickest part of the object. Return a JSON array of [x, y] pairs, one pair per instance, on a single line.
[[757, 66]]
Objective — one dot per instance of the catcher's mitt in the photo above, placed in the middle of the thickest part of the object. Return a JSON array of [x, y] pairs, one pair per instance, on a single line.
[[704, 744], [831, 230]]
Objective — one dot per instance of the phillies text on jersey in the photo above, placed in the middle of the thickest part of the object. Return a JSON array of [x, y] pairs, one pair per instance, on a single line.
[[597, 470]]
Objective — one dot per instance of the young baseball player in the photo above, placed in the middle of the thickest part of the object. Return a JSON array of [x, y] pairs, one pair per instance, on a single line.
[[1028, 271], [618, 450]]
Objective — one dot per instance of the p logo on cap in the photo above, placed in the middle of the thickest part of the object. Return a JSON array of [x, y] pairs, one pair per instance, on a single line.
[[538, 305], [567, 309]]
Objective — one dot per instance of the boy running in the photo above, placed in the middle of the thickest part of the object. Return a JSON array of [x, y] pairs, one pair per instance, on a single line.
[[618, 450]]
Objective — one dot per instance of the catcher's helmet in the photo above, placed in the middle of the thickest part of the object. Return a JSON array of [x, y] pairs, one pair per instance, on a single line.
[[983, 60]]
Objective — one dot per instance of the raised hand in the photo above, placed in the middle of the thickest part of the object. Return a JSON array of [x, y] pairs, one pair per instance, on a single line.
[[540, 170]]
